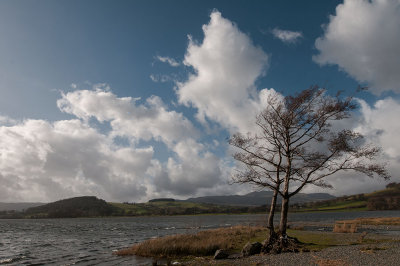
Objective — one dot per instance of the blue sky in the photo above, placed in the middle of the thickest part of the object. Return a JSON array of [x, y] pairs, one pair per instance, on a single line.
[[68, 68], [51, 44]]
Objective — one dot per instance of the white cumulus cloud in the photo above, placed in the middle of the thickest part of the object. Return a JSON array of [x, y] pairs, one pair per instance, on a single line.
[[287, 36], [161, 78], [151, 120], [194, 168], [45, 161], [42, 161], [226, 65], [165, 59], [363, 39], [380, 125]]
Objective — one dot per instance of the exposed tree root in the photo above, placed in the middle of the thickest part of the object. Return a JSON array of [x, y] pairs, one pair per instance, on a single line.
[[276, 244]]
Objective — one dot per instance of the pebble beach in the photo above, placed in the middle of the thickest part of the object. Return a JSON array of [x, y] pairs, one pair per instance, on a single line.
[[385, 253]]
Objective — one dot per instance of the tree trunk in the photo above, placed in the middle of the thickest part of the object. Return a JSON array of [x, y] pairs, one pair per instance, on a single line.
[[284, 215], [285, 204], [270, 225], [280, 242]]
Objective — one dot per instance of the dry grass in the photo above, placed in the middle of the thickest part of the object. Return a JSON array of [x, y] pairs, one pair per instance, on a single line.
[[375, 221], [372, 249], [345, 227], [203, 243]]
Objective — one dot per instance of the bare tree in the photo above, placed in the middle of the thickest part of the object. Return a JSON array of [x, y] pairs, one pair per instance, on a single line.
[[296, 146]]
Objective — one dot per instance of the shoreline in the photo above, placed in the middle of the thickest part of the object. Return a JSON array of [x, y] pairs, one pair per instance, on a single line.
[[319, 247]]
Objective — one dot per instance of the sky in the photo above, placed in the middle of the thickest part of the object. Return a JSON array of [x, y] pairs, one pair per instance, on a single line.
[[134, 100]]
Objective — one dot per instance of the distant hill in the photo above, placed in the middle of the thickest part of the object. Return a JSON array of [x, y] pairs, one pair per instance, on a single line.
[[20, 206], [259, 198], [87, 206], [255, 202]]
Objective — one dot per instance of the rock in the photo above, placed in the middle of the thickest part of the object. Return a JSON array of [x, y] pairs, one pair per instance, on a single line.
[[251, 249], [221, 254], [235, 256]]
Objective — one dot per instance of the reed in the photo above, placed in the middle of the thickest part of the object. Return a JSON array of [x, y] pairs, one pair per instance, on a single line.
[[375, 221], [203, 243]]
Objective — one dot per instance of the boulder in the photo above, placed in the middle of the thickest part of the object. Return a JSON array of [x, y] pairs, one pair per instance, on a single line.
[[221, 254], [251, 249]]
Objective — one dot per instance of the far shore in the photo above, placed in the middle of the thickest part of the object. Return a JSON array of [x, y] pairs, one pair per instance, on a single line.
[[19, 216]]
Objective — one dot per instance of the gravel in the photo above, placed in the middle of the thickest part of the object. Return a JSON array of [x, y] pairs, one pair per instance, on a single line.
[[385, 253]]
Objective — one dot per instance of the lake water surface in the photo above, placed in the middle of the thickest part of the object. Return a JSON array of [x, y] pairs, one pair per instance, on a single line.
[[91, 241]]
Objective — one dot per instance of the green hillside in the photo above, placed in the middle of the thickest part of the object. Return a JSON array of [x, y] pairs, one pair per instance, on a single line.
[[87, 206], [387, 199]]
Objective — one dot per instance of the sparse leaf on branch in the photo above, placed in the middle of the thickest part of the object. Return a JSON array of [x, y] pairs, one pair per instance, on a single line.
[[296, 146]]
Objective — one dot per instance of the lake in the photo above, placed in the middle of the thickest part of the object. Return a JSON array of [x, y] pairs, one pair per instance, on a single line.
[[91, 241]]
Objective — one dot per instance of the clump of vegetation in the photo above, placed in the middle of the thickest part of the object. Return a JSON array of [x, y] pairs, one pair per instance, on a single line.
[[203, 243]]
